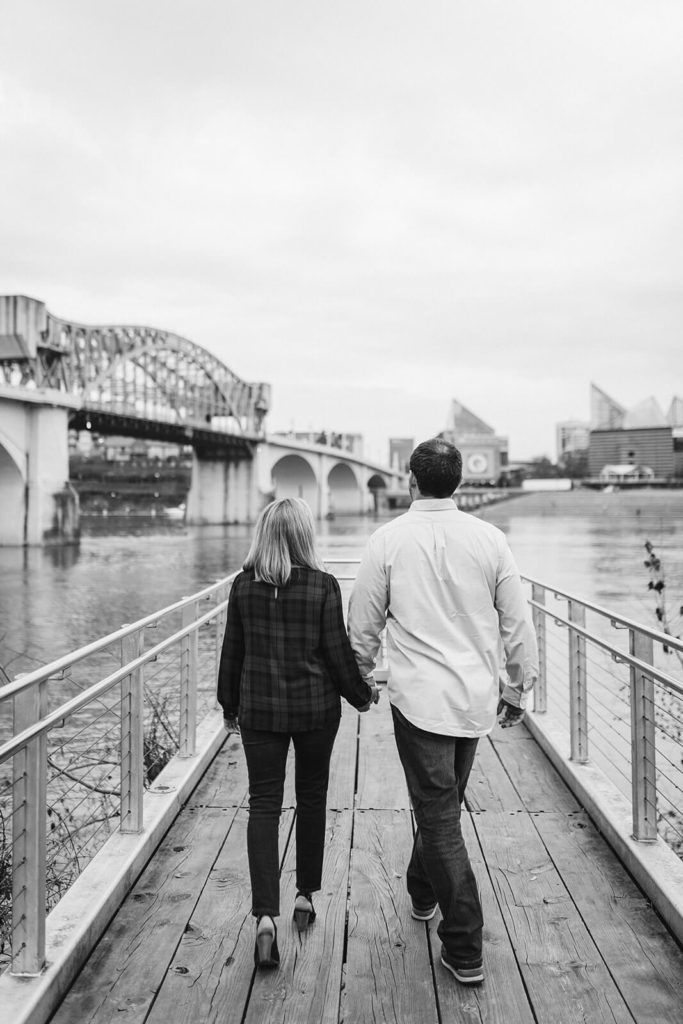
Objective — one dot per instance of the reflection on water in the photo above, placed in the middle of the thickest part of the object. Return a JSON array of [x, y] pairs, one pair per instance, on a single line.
[[55, 599]]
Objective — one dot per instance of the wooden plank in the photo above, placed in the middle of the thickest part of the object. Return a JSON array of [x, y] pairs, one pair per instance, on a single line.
[[381, 782], [502, 998], [122, 975], [563, 972], [225, 782], [306, 988], [531, 773], [388, 971], [344, 761], [212, 971], [634, 943], [490, 787]]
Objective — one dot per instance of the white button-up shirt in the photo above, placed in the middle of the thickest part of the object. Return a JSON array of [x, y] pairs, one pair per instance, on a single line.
[[447, 587]]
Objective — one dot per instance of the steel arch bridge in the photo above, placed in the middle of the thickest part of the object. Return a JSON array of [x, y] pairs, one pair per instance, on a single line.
[[132, 379]]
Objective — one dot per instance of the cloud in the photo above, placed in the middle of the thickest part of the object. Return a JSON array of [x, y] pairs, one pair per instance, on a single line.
[[376, 206]]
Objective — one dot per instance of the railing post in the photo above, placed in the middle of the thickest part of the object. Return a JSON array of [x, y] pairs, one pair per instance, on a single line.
[[578, 696], [132, 737], [188, 684], [221, 618], [643, 766], [29, 836], [538, 617]]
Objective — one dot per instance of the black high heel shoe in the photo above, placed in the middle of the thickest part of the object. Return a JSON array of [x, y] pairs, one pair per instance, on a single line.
[[266, 953], [304, 914]]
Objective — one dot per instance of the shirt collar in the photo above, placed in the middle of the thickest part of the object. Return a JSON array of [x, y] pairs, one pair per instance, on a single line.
[[433, 504]]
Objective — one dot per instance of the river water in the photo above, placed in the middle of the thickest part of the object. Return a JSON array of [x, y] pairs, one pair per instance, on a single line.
[[53, 600]]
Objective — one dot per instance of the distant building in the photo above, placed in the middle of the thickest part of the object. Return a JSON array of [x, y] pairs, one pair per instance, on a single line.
[[625, 474], [400, 449], [643, 437], [484, 453], [606, 414], [352, 443], [571, 436]]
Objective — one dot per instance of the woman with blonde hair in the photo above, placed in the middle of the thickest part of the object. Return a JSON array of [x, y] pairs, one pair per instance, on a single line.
[[286, 660]]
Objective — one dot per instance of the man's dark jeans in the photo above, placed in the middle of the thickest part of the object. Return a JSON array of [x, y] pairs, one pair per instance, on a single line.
[[437, 768], [266, 755]]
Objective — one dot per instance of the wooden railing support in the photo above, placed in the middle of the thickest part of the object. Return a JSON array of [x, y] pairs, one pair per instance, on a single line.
[[538, 617], [132, 737], [29, 836], [188, 684], [578, 694], [643, 756]]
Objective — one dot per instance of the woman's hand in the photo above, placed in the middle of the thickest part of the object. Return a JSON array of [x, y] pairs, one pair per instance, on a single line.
[[230, 724]]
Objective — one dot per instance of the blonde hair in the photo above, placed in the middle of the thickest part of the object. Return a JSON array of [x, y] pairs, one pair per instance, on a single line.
[[284, 539]]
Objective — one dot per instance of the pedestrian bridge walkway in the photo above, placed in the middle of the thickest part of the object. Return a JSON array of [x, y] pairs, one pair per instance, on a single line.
[[568, 935]]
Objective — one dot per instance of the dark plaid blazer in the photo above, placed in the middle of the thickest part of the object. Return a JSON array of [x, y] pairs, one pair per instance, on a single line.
[[286, 656]]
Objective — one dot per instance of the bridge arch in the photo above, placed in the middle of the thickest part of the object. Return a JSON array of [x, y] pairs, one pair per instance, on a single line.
[[377, 486], [294, 477], [344, 489], [12, 488]]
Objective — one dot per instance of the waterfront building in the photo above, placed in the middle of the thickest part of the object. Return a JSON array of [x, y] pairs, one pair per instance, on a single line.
[[571, 436], [484, 453], [400, 449], [626, 474], [642, 436]]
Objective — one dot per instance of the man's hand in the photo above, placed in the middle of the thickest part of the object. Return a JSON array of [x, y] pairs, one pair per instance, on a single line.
[[230, 724], [373, 700], [508, 714]]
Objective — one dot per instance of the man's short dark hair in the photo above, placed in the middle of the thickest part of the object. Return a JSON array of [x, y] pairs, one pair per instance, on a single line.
[[437, 467]]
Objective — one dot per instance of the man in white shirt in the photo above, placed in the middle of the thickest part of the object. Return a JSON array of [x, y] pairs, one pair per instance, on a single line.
[[446, 586]]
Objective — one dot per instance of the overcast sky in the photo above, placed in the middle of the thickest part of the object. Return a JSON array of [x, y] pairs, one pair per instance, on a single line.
[[375, 206]]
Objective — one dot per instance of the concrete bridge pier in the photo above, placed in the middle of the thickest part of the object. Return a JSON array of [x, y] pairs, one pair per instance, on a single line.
[[223, 490], [39, 506]]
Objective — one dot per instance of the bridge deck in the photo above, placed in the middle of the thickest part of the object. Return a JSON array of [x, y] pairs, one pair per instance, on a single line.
[[568, 936]]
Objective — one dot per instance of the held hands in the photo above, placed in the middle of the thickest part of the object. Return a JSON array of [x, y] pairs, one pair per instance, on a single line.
[[230, 724], [509, 715], [374, 699]]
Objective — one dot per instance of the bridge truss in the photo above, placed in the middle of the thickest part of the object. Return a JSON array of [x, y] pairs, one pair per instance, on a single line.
[[140, 375]]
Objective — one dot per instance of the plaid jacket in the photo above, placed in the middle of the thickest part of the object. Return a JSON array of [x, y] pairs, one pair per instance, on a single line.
[[286, 655]]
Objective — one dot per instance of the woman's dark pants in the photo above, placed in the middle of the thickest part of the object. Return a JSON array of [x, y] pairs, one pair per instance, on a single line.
[[437, 768], [266, 755]]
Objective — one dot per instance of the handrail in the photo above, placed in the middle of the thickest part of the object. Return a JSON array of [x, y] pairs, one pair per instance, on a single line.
[[33, 724], [643, 674], [627, 659], [65, 711], [624, 622], [29, 679]]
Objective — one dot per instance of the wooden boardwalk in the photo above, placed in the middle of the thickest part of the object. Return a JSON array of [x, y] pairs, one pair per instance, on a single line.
[[568, 936]]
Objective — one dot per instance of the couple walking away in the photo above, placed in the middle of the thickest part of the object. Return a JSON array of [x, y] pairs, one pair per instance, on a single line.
[[461, 650]]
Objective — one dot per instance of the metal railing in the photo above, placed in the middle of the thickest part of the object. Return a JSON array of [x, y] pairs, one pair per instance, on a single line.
[[98, 750], [607, 678]]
